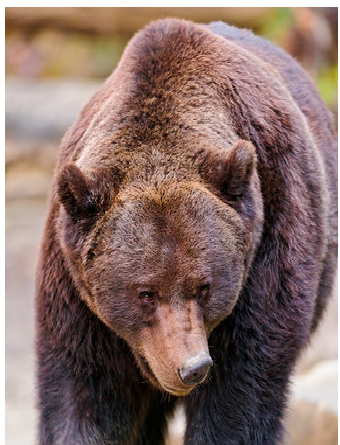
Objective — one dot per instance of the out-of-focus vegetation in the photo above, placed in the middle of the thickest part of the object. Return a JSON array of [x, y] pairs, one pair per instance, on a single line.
[[311, 36], [53, 53], [327, 82], [88, 42]]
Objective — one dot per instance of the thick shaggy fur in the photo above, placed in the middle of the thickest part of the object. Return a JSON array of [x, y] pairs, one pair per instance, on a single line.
[[206, 161]]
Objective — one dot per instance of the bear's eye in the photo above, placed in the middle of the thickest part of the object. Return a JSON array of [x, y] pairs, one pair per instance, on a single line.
[[147, 297], [204, 291]]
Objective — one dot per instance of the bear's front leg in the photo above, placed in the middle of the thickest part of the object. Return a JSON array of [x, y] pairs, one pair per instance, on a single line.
[[82, 409], [243, 401], [90, 391]]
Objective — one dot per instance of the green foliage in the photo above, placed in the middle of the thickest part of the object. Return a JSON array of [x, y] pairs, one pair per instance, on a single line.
[[278, 24], [327, 83], [51, 53], [81, 56]]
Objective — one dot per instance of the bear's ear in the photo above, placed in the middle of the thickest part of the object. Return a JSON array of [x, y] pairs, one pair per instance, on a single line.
[[86, 196], [230, 172]]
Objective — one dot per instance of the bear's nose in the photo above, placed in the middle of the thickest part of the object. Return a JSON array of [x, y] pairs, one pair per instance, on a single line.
[[195, 369]]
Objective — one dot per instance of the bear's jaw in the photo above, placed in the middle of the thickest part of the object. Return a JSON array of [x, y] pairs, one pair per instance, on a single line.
[[177, 393], [146, 370], [148, 373]]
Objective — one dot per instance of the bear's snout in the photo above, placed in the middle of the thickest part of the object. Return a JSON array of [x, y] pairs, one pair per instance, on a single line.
[[195, 369], [176, 347]]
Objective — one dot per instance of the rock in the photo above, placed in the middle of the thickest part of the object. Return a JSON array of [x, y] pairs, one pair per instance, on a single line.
[[29, 168], [319, 385], [312, 418], [44, 109]]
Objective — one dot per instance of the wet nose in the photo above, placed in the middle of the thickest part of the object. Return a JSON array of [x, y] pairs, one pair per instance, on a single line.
[[195, 369]]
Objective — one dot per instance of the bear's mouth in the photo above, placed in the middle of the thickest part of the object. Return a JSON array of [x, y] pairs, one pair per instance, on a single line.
[[175, 392], [148, 373]]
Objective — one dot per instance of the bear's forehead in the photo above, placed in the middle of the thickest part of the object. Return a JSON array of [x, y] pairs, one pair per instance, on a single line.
[[167, 218], [163, 244]]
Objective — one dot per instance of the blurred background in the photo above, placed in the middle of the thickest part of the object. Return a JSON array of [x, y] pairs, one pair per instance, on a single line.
[[56, 58]]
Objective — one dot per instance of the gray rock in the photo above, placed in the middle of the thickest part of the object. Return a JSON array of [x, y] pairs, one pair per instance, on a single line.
[[312, 417], [44, 109]]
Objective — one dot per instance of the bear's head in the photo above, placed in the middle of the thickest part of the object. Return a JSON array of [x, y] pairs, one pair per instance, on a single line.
[[163, 263]]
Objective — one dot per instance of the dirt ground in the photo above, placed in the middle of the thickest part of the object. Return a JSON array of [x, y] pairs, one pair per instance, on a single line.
[[29, 164]]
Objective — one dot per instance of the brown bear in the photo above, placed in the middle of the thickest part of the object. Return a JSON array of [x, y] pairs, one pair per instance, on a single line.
[[190, 245]]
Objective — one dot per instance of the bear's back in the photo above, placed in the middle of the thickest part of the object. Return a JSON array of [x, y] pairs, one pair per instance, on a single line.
[[294, 77], [301, 87], [304, 93]]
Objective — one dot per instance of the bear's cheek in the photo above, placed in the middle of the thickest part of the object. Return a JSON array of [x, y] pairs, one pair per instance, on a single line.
[[121, 315]]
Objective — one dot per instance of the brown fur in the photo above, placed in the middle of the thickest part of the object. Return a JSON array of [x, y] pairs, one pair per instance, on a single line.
[[192, 212]]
